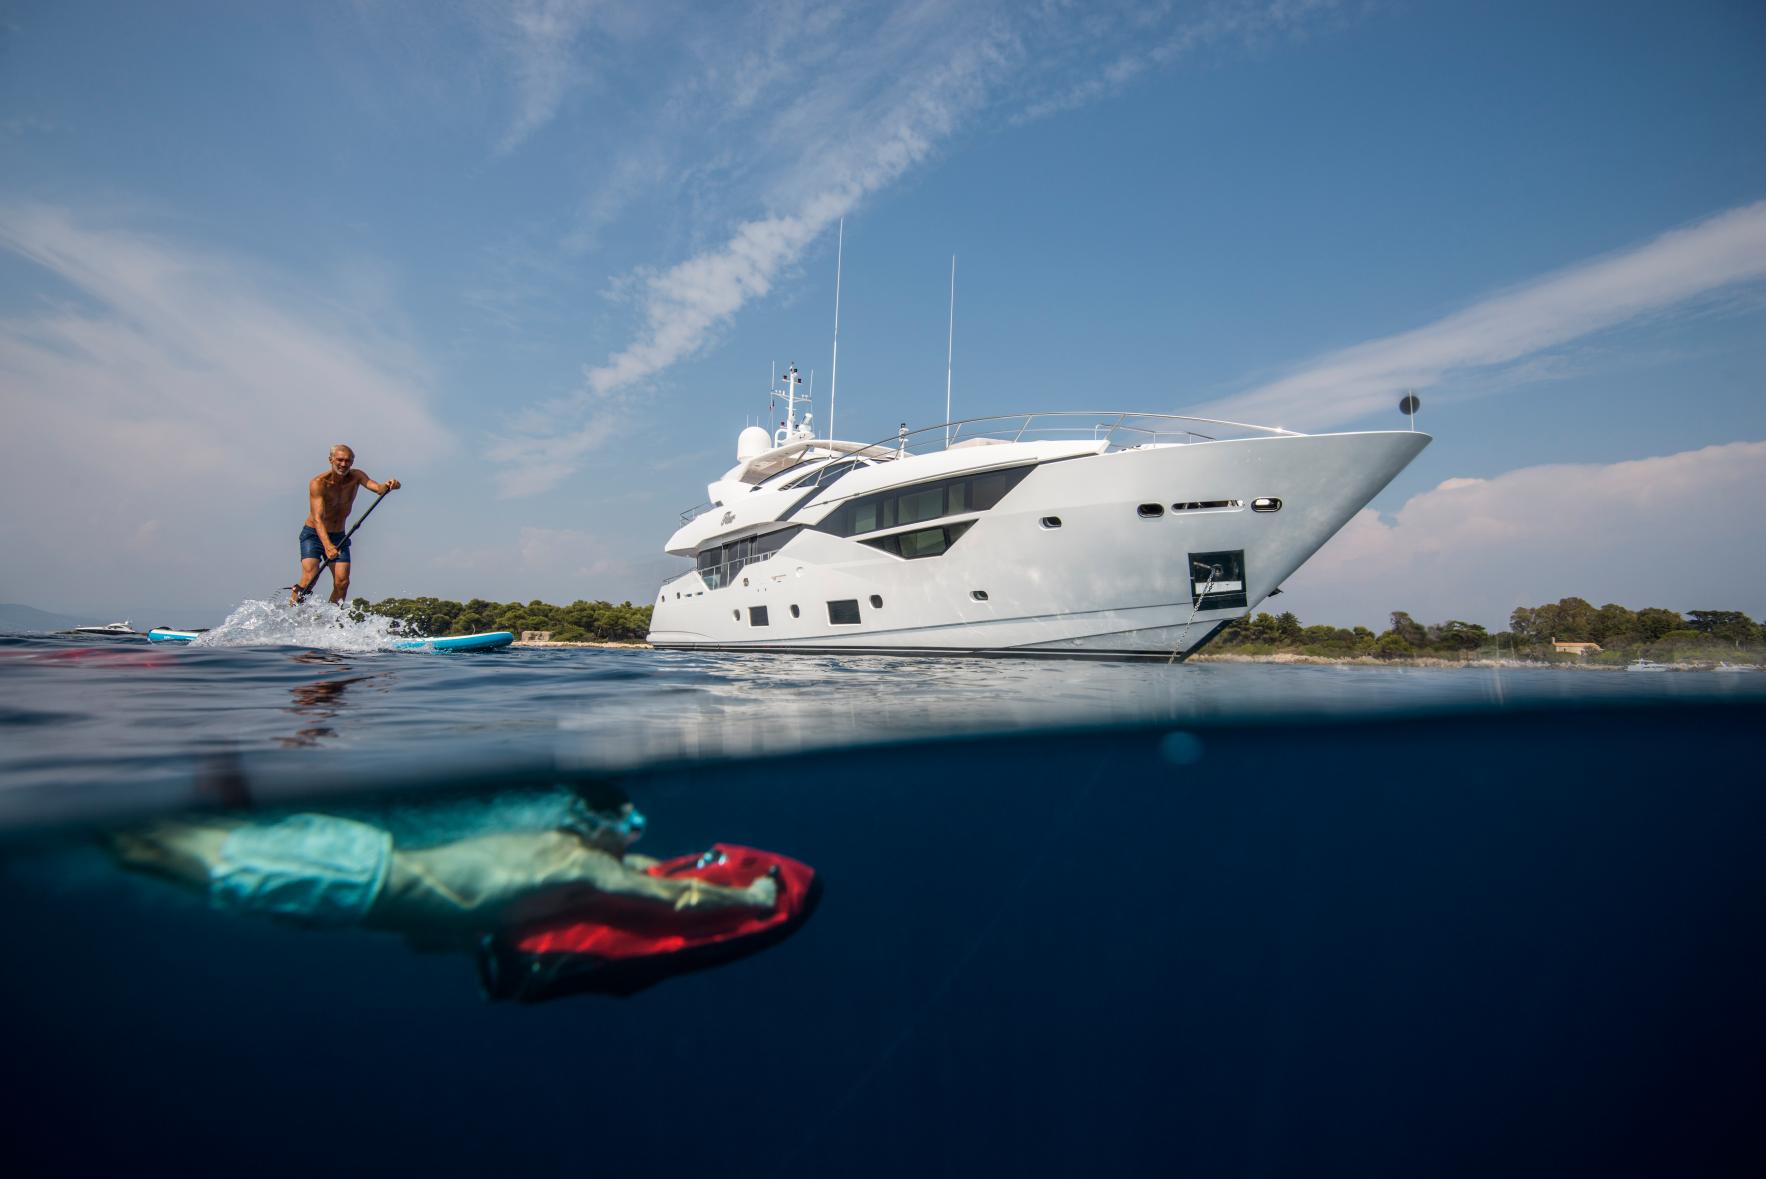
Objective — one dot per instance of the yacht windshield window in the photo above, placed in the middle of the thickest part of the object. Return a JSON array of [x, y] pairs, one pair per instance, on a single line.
[[825, 475], [922, 501]]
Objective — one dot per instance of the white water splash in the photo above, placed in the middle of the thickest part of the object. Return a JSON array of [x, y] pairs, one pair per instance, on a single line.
[[319, 625]]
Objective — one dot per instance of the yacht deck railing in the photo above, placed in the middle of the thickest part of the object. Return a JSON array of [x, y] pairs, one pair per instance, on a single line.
[[1118, 429]]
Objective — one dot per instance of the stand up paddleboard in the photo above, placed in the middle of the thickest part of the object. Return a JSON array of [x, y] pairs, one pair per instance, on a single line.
[[486, 641], [624, 947], [165, 634]]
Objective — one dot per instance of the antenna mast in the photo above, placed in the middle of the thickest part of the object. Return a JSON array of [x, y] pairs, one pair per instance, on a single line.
[[788, 429], [834, 377], [950, 345]]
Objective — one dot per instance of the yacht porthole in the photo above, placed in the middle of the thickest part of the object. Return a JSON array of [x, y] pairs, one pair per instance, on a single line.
[[1051, 521], [1266, 505], [876, 601], [736, 614], [978, 595], [795, 612], [1151, 511]]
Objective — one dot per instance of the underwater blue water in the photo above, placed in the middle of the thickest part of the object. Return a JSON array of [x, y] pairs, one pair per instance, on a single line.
[[1078, 918]]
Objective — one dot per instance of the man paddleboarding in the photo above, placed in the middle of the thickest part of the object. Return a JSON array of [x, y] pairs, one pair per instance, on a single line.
[[330, 497]]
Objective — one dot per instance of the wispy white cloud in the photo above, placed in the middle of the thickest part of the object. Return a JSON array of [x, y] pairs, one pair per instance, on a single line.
[[1151, 40], [852, 133], [834, 104], [541, 42], [1515, 325], [1648, 532], [169, 391]]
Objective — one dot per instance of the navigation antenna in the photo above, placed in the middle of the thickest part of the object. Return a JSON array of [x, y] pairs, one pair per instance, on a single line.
[[788, 429], [950, 345], [834, 377]]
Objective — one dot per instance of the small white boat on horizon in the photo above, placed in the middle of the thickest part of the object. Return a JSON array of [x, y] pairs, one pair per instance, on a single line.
[[1645, 665], [108, 628]]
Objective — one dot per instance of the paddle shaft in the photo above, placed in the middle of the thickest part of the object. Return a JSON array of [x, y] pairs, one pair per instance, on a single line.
[[301, 591]]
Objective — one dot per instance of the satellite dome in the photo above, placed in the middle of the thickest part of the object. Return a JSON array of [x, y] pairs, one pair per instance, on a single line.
[[752, 442]]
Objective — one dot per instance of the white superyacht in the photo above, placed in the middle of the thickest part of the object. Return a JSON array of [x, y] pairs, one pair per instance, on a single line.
[[1081, 534]]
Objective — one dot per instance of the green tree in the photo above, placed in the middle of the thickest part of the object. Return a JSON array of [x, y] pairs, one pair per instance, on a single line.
[[1731, 626], [1654, 622], [1391, 645], [1614, 625], [1454, 635], [1571, 620], [1523, 624], [1287, 628], [1411, 632]]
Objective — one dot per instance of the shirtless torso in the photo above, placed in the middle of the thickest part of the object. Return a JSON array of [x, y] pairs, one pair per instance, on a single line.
[[330, 499], [330, 496]]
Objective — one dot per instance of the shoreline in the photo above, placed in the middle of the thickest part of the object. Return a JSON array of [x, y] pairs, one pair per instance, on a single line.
[[1422, 661], [605, 644], [1274, 657]]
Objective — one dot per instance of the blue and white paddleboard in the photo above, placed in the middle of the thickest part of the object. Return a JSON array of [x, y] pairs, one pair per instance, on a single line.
[[489, 640], [165, 634]]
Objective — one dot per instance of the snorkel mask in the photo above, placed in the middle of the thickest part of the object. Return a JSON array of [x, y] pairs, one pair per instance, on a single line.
[[622, 828]]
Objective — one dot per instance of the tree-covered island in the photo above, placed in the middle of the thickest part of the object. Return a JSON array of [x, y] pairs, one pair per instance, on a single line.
[[1535, 633], [1547, 633], [579, 622]]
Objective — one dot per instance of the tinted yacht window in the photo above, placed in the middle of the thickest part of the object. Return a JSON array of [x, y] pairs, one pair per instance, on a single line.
[[922, 501], [923, 542]]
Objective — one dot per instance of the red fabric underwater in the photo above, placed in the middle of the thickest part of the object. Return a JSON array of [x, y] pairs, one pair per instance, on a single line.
[[634, 929]]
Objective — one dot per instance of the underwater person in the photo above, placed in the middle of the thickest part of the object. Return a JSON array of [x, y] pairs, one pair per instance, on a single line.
[[322, 870]]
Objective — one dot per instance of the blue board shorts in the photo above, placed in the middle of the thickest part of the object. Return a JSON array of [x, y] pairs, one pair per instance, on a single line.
[[312, 550], [307, 869]]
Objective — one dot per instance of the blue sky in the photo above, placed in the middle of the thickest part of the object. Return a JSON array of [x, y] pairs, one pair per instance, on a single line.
[[537, 260]]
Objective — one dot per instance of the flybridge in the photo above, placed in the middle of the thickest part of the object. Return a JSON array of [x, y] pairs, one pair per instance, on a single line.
[[795, 446]]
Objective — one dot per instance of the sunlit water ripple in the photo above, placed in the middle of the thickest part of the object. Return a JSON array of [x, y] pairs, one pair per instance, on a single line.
[[102, 715]]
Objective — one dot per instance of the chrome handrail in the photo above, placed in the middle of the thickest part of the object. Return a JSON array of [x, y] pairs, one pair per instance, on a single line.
[[1104, 426]]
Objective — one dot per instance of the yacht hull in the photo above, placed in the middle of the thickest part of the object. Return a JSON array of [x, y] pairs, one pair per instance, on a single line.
[[1074, 561]]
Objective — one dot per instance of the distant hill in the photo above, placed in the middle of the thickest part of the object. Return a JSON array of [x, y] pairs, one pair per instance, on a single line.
[[14, 617]]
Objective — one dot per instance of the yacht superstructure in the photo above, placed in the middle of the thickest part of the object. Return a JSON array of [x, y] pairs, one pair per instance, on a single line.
[[1103, 535]]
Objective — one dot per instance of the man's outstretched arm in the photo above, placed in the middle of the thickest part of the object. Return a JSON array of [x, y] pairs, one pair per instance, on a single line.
[[377, 488]]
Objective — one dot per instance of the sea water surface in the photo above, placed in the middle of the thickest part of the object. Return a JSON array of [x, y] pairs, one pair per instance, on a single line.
[[1078, 918]]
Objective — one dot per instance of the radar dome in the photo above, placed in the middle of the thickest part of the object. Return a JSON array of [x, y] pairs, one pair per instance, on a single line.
[[752, 442]]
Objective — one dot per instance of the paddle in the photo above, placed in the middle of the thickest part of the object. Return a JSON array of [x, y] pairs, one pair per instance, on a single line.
[[301, 591]]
